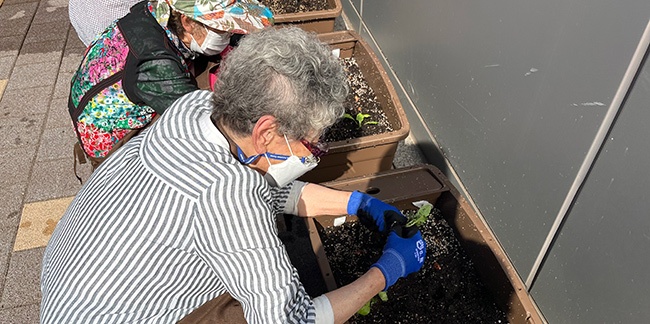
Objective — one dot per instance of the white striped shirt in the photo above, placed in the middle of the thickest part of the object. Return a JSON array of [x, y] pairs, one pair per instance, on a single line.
[[167, 223]]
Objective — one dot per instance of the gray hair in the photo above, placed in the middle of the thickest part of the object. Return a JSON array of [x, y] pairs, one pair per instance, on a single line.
[[285, 73]]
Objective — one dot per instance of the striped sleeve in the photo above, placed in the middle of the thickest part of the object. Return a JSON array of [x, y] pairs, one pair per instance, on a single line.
[[285, 200], [237, 227]]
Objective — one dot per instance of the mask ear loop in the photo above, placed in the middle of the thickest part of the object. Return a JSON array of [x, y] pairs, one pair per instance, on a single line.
[[290, 150], [286, 140]]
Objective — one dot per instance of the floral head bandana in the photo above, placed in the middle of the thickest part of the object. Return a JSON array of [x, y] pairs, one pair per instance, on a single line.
[[234, 16]]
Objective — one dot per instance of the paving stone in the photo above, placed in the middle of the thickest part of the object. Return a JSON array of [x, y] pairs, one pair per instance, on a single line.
[[53, 179], [6, 65], [74, 44], [17, 29], [38, 221], [17, 12], [7, 236], [56, 143], [74, 50], [27, 57], [11, 203], [15, 18], [10, 45], [34, 75], [28, 314], [59, 4], [23, 281], [58, 115], [70, 63], [15, 165], [19, 1], [49, 12], [62, 86], [3, 86], [19, 132], [46, 46], [48, 32], [12, 104]]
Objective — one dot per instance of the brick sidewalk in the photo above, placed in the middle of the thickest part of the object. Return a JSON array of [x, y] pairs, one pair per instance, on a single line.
[[39, 51]]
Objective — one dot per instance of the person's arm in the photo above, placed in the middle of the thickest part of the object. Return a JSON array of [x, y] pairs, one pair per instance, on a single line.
[[318, 200], [160, 82], [347, 300]]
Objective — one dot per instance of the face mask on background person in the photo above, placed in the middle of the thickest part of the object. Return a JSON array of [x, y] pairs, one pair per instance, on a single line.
[[213, 43], [281, 174]]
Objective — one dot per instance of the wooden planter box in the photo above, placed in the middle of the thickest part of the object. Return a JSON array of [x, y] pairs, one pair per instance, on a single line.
[[319, 21], [401, 187], [367, 154]]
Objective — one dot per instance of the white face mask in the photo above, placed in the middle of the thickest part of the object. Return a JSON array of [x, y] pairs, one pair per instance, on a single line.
[[213, 43], [281, 174]]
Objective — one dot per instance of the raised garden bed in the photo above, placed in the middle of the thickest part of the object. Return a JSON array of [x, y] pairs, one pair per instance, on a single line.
[[280, 7], [364, 115], [367, 154], [311, 15], [470, 279]]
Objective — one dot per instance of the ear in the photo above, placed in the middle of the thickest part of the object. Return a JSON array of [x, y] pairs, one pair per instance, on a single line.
[[188, 24], [264, 133]]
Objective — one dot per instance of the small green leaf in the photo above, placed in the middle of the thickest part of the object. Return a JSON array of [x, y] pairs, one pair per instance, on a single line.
[[346, 115], [365, 310], [361, 117], [421, 216], [383, 296], [371, 123]]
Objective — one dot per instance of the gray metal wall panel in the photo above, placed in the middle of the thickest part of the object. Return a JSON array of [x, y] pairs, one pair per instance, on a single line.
[[514, 93], [351, 11], [599, 268]]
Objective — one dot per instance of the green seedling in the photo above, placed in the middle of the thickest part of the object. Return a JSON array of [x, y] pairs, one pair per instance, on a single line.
[[365, 310], [360, 119], [421, 216]]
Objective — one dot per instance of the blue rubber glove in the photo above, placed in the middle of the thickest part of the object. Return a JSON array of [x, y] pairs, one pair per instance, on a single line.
[[374, 213], [402, 255]]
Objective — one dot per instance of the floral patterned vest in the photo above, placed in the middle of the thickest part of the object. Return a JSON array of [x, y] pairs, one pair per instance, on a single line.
[[103, 103]]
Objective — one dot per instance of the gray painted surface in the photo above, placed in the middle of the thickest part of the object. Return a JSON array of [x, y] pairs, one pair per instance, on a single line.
[[351, 11], [356, 3], [599, 267], [514, 93]]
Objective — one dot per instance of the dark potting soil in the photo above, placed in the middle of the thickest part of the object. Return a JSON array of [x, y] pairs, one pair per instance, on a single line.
[[446, 289], [294, 6], [360, 100]]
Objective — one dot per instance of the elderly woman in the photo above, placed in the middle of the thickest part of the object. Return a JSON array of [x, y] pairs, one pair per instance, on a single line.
[[215, 170], [142, 63]]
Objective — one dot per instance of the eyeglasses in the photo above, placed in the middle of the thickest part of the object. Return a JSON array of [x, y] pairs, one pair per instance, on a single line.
[[318, 148]]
